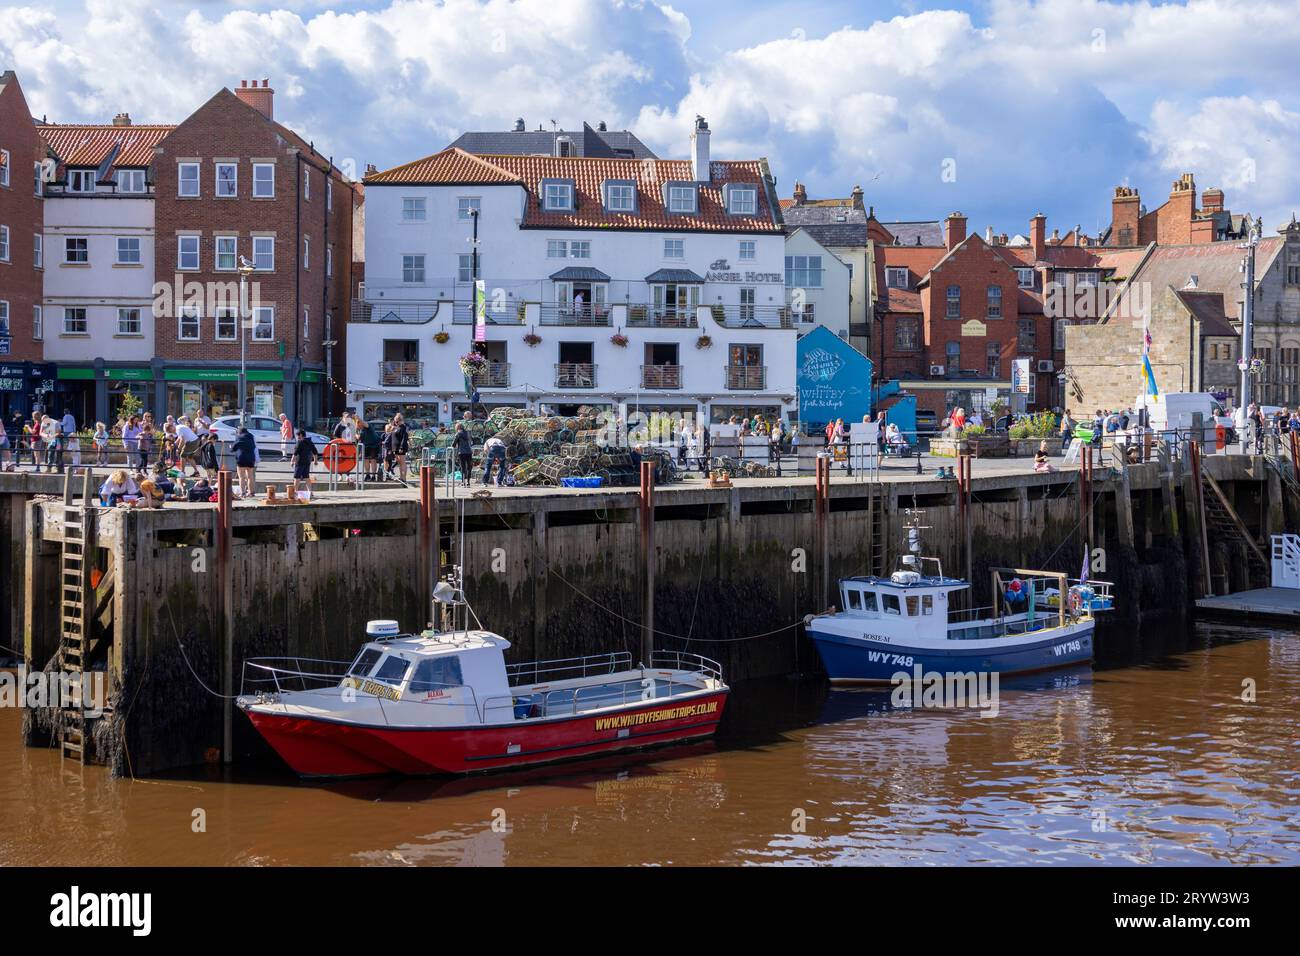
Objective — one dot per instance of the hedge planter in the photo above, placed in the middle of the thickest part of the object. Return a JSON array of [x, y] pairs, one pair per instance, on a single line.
[[989, 446]]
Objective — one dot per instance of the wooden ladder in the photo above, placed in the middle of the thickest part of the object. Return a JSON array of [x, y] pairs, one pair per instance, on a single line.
[[77, 608]]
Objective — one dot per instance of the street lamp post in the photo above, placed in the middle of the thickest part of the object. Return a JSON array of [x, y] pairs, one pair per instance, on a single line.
[[1247, 328], [246, 269], [473, 319]]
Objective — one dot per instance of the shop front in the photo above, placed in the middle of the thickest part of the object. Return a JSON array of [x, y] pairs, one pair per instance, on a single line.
[[121, 383], [217, 390], [24, 388], [74, 392]]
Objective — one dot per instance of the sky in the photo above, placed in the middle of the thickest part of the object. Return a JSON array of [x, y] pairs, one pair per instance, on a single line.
[[999, 109]]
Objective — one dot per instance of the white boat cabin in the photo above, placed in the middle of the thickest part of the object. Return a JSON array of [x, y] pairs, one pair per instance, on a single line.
[[921, 600]]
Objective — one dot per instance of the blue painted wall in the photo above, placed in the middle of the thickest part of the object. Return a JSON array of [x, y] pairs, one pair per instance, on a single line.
[[834, 380]]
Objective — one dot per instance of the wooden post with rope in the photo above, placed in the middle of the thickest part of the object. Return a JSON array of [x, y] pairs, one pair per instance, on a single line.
[[225, 578], [648, 560]]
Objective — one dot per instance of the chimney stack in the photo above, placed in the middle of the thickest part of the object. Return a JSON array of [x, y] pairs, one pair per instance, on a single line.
[[954, 230], [519, 125], [700, 150], [857, 197], [1038, 235], [259, 96], [1125, 211], [988, 235], [1212, 200], [122, 119], [800, 193]]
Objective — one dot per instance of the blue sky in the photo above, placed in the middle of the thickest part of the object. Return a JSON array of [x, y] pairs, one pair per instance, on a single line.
[[1000, 109]]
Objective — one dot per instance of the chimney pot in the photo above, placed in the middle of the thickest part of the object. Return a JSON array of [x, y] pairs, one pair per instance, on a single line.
[[122, 119]]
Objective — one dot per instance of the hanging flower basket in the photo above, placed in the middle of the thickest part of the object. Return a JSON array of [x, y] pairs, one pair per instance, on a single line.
[[703, 342], [619, 339], [532, 338], [442, 338], [472, 363]]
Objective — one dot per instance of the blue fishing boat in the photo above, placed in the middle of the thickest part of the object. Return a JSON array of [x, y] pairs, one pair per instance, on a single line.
[[909, 623]]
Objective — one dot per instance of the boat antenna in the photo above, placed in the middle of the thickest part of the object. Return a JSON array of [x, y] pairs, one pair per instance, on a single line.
[[914, 528]]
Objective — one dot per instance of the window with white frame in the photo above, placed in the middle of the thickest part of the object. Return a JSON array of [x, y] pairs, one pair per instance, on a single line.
[[130, 181], [993, 299], [306, 252], [414, 209], [4, 243], [329, 261], [38, 180], [187, 180], [38, 251], [306, 183], [413, 269], [1058, 342], [81, 180], [557, 249], [128, 251], [187, 253], [465, 267], [264, 253], [896, 278], [128, 322], [227, 181], [466, 206], [4, 316], [620, 197], [742, 201], [264, 180], [674, 248], [1086, 279], [188, 321], [38, 323], [227, 253], [557, 196], [4, 167], [306, 323], [803, 272], [1025, 278], [580, 249], [226, 328], [76, 250], [809, 316], [264, 323], [681, 199], [748, 250], [74, 320], [329, 196], [953, 310]]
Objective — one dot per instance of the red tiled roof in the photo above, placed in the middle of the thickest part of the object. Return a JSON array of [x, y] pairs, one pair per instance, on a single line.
[[902, 300], [457, 167], [90, 145]]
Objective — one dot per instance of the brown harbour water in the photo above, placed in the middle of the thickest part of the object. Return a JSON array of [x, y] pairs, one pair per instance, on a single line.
[[1151, 760]]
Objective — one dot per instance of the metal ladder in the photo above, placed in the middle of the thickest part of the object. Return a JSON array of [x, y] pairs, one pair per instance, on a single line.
[[879, 546], [76, 606]]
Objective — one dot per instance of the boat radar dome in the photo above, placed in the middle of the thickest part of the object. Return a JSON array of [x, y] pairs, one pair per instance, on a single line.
[[382, 629]]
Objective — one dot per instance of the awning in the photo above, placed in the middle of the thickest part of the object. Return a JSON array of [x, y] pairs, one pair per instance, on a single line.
[[675, 275], [579, 274]]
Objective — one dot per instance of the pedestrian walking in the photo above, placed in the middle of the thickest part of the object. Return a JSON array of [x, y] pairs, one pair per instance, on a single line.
[[286, 437], [464, 448], [245, 449], [304, 456], [401, 445]]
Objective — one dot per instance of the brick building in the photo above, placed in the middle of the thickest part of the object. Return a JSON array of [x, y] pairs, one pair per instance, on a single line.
[[231, 183], [22, 374], [1177, 222]]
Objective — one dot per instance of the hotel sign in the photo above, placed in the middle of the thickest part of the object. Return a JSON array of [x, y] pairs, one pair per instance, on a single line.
[[974, 328], [720, 271]]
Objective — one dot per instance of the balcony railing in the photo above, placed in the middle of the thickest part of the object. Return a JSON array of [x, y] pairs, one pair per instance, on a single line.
[[661, 317], [575, 375], [587, 315], [405, 374], [395, 311], [462, 313], [497, 375], [753, 316], [746, 376], [661, 376]]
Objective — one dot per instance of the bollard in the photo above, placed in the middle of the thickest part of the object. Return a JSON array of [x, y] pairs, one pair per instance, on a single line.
[[648, 559]]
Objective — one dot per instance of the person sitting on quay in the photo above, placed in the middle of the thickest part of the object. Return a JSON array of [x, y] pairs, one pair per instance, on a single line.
[[116, 488]]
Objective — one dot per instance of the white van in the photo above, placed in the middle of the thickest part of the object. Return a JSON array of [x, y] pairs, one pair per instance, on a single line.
[[1174, 410]]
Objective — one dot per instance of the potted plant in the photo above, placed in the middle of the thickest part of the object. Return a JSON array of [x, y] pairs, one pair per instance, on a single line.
[[532, 339], [703, 342], [442, 338], [619, 339]]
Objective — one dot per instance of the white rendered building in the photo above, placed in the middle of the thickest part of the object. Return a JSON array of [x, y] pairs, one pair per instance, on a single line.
[[654, 284]]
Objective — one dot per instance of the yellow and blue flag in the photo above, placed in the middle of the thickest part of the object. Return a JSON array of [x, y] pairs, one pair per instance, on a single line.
[[1149, 376]]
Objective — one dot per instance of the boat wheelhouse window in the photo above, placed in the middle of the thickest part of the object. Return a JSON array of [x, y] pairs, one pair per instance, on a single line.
[[891, 604], [392, 670], [927, 604], [436, 673], [913, 605], [365, 661], [855, 599], [869, 601]]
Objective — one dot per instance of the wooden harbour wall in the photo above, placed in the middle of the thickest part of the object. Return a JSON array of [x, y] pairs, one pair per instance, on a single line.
[[559, 575]]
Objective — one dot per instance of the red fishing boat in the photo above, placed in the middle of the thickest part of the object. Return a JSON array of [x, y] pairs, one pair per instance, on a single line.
[[447, 703]]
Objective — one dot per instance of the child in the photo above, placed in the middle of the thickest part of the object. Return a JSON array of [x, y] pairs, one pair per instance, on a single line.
[[101, 444], [1040, 459], [74, 446]]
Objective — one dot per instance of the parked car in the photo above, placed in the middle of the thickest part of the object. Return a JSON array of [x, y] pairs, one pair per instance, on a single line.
[[266, 432]]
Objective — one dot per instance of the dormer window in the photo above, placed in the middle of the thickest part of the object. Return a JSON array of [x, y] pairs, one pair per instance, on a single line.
[[557, 195], [742, 200], [896, 278], [1025, 278], [620, 195], [130, 181], [681, 199], [564, 146], [81, 180]]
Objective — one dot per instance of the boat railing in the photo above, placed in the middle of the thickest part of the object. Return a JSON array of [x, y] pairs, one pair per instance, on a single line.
[[567, 668], [686, 661], [967, 614], [277, 674]]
